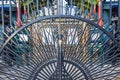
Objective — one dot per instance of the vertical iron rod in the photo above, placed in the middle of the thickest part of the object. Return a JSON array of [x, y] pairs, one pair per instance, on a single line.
[[37, 6], [119, 12], [58, 7], [28, 8], [10, 12], [119, 18], [59, 50], [19, 9], [110, 10], [101, 5], [3, 24]]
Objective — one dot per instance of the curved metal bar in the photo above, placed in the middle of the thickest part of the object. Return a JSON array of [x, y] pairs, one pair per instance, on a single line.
[[80, 66], [62, 16]]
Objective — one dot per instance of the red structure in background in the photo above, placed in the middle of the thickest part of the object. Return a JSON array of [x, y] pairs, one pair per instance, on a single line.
[[18, 13], [94, 9], [99, 13], [98, 10], [25, 11]]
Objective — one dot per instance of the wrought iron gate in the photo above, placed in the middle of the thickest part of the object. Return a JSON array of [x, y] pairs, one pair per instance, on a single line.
[[59, 41]]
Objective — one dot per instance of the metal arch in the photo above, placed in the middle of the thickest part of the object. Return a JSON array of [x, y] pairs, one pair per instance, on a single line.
[[60, 16], [80, 66], [38, 68]]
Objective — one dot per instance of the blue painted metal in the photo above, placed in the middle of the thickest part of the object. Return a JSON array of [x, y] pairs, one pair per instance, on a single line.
[[62, 16], [7, 6], [119, 20], [1, 36], [114, 5]]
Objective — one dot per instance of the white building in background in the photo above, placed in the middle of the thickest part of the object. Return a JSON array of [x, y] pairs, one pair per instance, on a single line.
[[66, 9], [72, 36], [111, 0], [60, 7], [47, 36], [7, 2]]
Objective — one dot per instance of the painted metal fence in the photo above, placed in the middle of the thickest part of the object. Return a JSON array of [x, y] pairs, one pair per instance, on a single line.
[[58, 40]]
